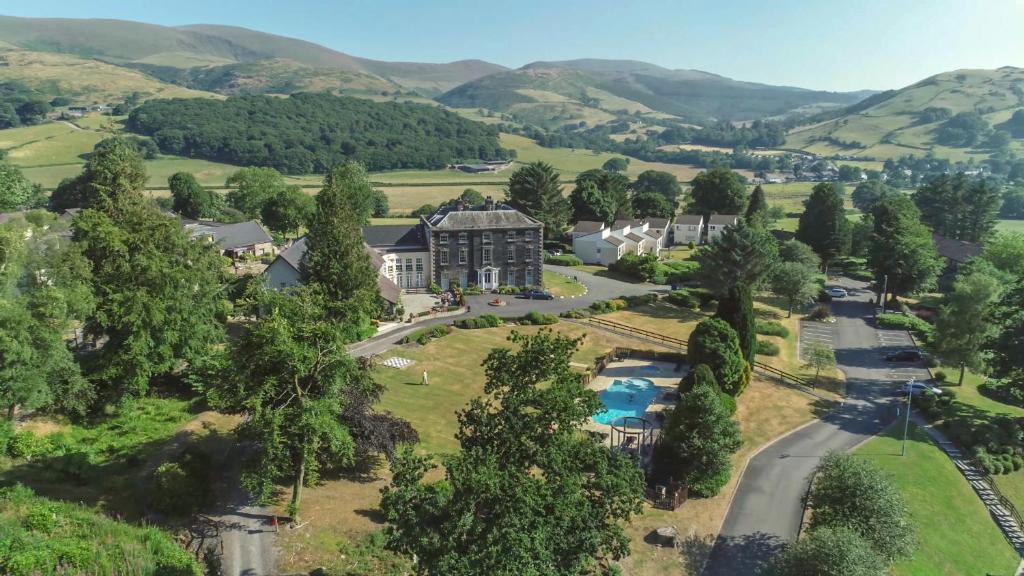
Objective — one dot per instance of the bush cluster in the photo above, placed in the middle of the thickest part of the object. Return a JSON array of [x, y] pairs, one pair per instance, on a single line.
[[607, 306], [481, 321], [181, 487], [535, 318], [426, 334], [907, 322], [563, 260], [676, 272], [766, 348], [766, 328], [683, 299], [820, 312]]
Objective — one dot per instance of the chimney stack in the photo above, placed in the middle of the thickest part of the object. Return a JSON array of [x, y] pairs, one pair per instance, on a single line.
[[489, 203]]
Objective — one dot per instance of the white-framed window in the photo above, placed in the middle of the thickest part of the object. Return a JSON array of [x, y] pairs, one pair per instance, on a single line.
[[444, 257], [619, 252], [511, 255], [463, 237], [442, 237], [463, 278], [419, 264], [528, 256], [528, 235], [408, 264], [529, 277], [486, 237], [510, 236], [712, 228], [692, 228], [510, 277], [463, 255], [487, 254]]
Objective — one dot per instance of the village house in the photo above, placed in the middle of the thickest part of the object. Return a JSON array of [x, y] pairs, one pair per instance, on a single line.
[[717, 223], [607, 245], [233, 240], [584, 227], [954, 253], [688, 228]]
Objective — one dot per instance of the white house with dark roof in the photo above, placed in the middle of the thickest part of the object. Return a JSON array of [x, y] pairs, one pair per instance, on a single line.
[[623, 237], [584, 227], [404, 254], [233, 240], [688, 228], [717, 223]]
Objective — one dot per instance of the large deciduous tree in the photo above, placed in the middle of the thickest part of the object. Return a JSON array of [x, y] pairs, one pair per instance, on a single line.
[[336, 258], [535, 190], [959, 207], [717, 191], [1005, 250], [867, 193], [656, 193], [901, 247], [827, 551], [1006, 344], [962, 327], [615, 188], [288, 210], [591, 203], [698, 440], [16, 192], [823, 224], [794, 281], [110, 180], [850, 491], [528, 493], [250, 188], [191, 200]]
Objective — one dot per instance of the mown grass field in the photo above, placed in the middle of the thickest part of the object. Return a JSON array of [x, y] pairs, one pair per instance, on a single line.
[[956, 535], [562, 286]]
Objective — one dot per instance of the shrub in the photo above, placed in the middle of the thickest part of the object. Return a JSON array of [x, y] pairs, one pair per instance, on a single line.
[[939, 376], [6, 434], [997, 467], [575, 313], [728, 401], [473, 290], [683, 299], [482, 321], [426, 334], [691, 245], [606, 306], [638, 300], [820, 312], [434, 288], [563, 260], [643, 267], [27, 445], [766, 348], [678, 271], [535, 318], [1018, 462], [181, 487], [509, 289], [766, 328], [907, 322]]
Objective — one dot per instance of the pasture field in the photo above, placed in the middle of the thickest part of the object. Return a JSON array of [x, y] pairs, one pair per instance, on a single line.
[[1010, 226], [955, 533]]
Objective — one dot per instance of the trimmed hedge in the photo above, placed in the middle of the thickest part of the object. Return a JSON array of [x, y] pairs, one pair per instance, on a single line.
[[906, 322], [426, 335], [535, 318], [482, 321], [765, 328], [563, 260]]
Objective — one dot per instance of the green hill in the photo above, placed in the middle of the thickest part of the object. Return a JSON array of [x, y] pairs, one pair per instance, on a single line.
[[569, 91], [120, 42], [909, 120]]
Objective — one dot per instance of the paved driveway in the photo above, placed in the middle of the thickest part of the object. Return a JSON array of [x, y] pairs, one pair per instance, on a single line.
[[766, 509], [598, 288]]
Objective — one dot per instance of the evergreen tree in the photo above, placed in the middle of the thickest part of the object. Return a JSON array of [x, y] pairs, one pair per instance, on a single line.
[[736, 307], [743, 255], [757, 209], [528, 492], [958, 207], [714, 343], [336, 258], [717, 191], [112, 178], [797, 252], [823, 225], [535, 190], [962, 327], [698, 440]]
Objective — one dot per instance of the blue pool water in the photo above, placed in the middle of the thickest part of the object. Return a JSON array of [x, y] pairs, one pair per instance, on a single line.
[[628, 397]]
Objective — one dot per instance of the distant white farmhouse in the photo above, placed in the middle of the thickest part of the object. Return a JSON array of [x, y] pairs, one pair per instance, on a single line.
[[717, 223], [608, 244], [688, 228]]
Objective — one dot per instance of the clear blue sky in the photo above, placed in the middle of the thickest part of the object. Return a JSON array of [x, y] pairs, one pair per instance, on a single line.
[[823, 44]]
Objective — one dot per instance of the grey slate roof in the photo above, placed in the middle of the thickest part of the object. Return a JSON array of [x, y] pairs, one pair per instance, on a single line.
[[658, 222], [230, 236], [620, 224], [654, 233], [388, 290], [615, 241], [394, 235], [587, 227], [689, 219], [956, 250], [723, 219], [635, 237], [501, 217]]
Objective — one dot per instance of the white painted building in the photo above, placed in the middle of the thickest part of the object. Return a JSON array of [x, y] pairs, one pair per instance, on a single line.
[[688, 228], [623, 237], [717, 223]]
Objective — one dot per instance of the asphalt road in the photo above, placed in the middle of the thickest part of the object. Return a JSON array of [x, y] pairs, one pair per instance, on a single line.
[[767, 507], [598, 288], [246, 531]]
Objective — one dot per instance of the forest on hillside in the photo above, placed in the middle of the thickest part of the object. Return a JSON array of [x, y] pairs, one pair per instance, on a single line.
[[309, 133]]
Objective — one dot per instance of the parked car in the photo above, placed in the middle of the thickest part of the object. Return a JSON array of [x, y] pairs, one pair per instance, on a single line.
[[913, 387], [536, 294], [836, 292], [904, 356], [555, 252]]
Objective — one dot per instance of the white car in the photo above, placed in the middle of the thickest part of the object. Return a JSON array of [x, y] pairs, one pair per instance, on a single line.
[[914, 388], [836, 292]]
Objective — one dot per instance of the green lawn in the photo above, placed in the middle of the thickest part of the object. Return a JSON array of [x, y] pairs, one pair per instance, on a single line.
[[560, 285], [1010, 225], [955, 533]]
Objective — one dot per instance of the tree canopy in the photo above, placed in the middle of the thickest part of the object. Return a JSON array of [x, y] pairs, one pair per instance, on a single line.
[[309, 133], [717, 191], [535, 190], [962, 327], [527, 493], [827, 551], [959, 207], [193, 201], [742, 256], [901, 247], [714, 343], [823, 224], [656, 194], [16, 192]]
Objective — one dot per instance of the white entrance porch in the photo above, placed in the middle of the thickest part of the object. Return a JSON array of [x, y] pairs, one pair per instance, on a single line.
[[488, 277]]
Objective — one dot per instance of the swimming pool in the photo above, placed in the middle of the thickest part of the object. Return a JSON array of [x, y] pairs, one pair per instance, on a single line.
[[627, 397]]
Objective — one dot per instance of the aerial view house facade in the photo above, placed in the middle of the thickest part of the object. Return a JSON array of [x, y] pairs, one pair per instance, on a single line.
[[488, 245], [717, 223], [234, 240], [688, 228], [607, 245]]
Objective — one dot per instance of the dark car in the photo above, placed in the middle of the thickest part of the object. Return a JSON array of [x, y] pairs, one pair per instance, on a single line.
[[535, 294], [903, 356]]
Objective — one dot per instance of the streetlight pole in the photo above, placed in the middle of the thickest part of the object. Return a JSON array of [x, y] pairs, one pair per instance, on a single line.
[[885, 288], [906, 423]]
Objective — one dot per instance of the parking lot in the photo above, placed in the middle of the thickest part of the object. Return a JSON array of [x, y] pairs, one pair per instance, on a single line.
[[895, 340], [816, 333]]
